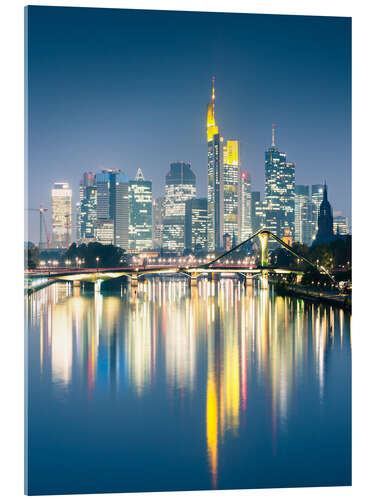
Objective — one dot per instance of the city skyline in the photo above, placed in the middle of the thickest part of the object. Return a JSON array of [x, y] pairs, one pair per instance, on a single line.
[[186, 107]]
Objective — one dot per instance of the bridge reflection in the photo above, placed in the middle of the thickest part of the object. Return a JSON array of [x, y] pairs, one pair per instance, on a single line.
[[242, 341]]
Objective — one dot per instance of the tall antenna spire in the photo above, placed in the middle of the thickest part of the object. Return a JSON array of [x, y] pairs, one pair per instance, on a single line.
[[273, 136], [213, 90]]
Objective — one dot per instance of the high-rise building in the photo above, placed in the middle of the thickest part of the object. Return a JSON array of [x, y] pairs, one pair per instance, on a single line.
[[301, 197], [317, 198], [180, 186], [340, 224], [255, 201], [173, 237], [88, 179], [307, 222], [215, 206], [231, 178], [140, 213], [158, 214], [61, 215], [119, 208], [88, 213], [325, 220], [196, 224], [113, 203], [103, 185], [279, 190], [104, 231], [245, 209]]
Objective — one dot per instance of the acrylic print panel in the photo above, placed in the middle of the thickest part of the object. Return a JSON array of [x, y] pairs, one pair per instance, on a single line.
[[188, 256]]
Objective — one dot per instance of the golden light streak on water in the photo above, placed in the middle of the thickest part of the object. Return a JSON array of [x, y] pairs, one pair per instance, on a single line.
[[212, 427]]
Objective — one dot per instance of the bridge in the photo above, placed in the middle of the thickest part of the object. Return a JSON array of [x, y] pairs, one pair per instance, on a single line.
[[98, 275]]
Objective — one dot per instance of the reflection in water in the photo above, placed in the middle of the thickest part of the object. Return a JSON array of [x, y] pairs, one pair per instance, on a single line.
[[218, 336]]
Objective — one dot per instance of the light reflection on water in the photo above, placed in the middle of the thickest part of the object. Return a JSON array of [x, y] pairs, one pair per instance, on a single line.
[[246, 360]]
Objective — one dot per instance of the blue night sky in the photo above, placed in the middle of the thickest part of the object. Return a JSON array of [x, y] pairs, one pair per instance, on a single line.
[[111, 88]]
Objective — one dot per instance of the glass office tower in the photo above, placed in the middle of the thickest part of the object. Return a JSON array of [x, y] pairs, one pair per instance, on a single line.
[[140, 213]]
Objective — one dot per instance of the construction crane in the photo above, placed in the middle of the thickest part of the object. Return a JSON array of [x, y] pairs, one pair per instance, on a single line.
[[42, 224]]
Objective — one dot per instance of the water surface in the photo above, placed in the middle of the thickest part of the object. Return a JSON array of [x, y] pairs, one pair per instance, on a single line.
[[218, 387]]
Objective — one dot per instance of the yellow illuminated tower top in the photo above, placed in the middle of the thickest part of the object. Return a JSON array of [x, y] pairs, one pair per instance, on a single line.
[[212, 129]]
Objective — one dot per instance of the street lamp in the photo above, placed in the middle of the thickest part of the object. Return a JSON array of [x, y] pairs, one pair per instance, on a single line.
[[97, 264]]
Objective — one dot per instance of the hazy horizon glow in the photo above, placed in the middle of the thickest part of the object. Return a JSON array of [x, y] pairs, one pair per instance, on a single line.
[[116, 88]]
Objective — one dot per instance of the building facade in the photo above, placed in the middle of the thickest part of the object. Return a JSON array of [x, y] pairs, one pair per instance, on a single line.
[[104, 231], [196, 224], [231, 178], [140, 213], [215, 206], [302, 196], [245, 208], [158, 214], [340, 224], [317, 198], [112, 187], [279, 190], [307, 223], [88, 213], [61, 215], [180, 186]]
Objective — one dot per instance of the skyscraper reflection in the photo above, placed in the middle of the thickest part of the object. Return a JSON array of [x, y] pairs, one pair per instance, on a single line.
[[227, 347]]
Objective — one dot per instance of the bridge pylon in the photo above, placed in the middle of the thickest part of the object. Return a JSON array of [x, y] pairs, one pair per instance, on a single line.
[[264, 238]]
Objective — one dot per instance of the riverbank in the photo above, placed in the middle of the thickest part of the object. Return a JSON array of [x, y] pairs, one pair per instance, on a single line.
[[315, 295]]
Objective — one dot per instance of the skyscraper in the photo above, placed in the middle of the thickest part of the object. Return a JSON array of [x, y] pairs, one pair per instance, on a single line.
[[61, 214], [103, 184], [196, 224], [245, 208], [215, 206], [231, 177], [279, 190], [256, 223], [307, 222], [180, 186], [140, 213], [113, 203], [158, 213], [301, 197], [88, 213], [119, 208], [316, 198], [325, 220], [88, 179]]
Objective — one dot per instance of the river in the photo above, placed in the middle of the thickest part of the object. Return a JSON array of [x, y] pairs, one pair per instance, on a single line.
[[176, 389]]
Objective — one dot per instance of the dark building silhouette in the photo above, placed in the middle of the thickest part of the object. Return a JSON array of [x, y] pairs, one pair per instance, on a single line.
[[325, 220]]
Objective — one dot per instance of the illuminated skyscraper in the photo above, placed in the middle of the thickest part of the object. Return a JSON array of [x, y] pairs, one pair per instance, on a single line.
[[88, 213], [215, 206], [113, 203], [307, 222], [301, 197], [140, 213], [231, 177], [279, 190], [196, 224], [158, 213], [245, 207], [61, 215], [180, 186], [317, 198]]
